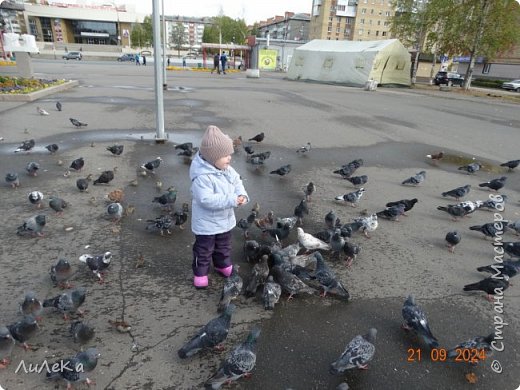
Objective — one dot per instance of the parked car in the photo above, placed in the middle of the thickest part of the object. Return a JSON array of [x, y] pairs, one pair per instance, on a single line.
[[513, 85], [126, 57], [73, 55], [192, 54], [448, 78]]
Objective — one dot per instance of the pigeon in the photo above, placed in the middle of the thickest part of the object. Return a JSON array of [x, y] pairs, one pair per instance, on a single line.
[[415, 180], [116, 150], [495, 184], [352, 197], [452, 239], [210, 335], [359, 351], [471, 168], [36, 197], [331, 219], [81, 332], [58, 106], [491, 286], [266, 221], [12, 179], [60, 273], [167, 199], [392, 213], [327, 279], [31, 305], [348, 170], [357, 180], [282, 171], [32, 168], [337, 242], [491, 229], [52, 148], [105, 178], [510, 268], [497, 202], [271, 293], [511, 164], [258, 276], [78, 123], [415, 320], [304, 149], [249, 150], [23, 330], [188, 153], [237, 142], [115, 211], [470, 206], [258, 138], [82, 183], [76, 368], [97, 263], [368, 224], [512, 248], [309, 242], [32, 225], [456, 211], [238, 363], [26, 146], [251, 250], [6, 346], [482, 344], [151, 166], [351, 251], [301, 210], [57, 204], [68, 301], [163, 224], [181, 217], [230, 290], [515, 226], [408, 204], [289, 282], [41, 111], [245, 223], [77, 164], [184, 146], [436, 157], [458, 192], [308, 190]]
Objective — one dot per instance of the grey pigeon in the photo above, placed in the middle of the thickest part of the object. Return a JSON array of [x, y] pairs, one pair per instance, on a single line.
[[470, 206], [490, 229], [510, 268], [271, 293], [337, 242], [251, 250], [456, 211], [331, 219], [482, 344], [116, 150], [359, 351], [416, 321], [511, 164], [452, 239], [77, 164], [491, 286], [33, 226], [82, 183], [58, 106], [36, 197], [115, 211], [497, 202], [352, 197], [6, 346], [81, 332], [68, 301], [327, 279], [289, 282], [12, 179], [181, 216], [471, 168], [60, 273], [348, 170], [392, 213], [458, 192], [31, 305], [245, 223], [258, 138], [515, 226], [151, 166], [184, 146], [168, 198], [495, 184], [52, 148], [258, 276], [23, 330], [308, 190], [76, 368], [238, 363], [26, 146], [357, 180], [32, 168], [189, 152], [105, 177], [415, 180], [512, 248], [304, 149], [57, 204], [97, 263], [351, 251], [282, 171], [259, 158], [301, 210], [309, 242], [210, 335], [78, 123], [163, 224], [231, 289]]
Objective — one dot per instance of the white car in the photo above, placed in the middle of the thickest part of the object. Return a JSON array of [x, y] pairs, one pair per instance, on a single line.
[[513, 85]]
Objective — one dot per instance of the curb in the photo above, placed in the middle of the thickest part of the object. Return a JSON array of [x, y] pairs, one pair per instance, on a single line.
[[29, 97]]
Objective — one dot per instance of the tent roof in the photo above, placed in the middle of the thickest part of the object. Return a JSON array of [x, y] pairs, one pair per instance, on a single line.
[[347, 46]]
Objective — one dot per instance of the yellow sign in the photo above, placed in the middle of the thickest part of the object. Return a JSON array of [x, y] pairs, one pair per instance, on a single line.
[[267, 59]]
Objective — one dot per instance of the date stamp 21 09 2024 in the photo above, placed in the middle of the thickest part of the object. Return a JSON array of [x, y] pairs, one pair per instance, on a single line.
[[461, 355]]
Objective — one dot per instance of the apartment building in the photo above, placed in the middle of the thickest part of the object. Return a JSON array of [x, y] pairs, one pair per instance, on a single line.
[[289, 27], [193, 29]]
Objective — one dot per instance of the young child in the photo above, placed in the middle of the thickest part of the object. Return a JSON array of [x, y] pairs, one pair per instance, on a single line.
[[216, 190]]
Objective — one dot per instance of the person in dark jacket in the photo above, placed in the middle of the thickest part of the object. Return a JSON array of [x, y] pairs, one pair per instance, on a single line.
[[144, 60], [223, 61], [216, 62]]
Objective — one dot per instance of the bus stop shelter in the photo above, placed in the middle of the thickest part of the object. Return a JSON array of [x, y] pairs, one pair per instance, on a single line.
[[234, 51]]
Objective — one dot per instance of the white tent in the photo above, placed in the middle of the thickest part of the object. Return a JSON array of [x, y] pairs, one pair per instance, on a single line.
[[351, 62]]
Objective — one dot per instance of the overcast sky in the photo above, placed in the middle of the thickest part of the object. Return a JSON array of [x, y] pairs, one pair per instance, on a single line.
[[250, 10]]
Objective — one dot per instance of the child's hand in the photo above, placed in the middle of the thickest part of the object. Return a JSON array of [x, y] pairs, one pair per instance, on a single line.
[[241, 200]]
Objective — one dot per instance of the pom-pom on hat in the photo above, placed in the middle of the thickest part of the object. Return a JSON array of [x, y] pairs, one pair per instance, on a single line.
[[215, 144]]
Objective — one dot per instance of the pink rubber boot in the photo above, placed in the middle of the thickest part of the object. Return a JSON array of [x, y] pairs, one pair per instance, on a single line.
[[225, 271], [200, 281]]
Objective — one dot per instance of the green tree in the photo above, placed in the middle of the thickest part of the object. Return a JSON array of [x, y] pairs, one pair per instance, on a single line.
[[142, 33], [178, 37], [232, 31], [137, 36]]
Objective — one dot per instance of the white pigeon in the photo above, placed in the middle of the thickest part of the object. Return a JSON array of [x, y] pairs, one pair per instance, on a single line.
[[369, 223], [41, 111], [309, 242]]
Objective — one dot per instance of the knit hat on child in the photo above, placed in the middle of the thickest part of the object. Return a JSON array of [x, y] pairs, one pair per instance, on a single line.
[[215, 145]]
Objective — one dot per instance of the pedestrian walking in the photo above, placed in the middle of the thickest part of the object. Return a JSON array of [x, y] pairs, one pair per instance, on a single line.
[[137, 63], [183, 62], [223, 61], [216, 63], [144, 60]]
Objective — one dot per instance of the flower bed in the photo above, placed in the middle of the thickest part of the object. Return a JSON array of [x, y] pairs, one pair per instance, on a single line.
[[20, 85]]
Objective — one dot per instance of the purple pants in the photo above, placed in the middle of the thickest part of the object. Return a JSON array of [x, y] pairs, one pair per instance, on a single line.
[[216, 247]]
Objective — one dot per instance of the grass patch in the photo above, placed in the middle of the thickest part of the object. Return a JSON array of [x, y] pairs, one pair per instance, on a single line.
[[19, 85]]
